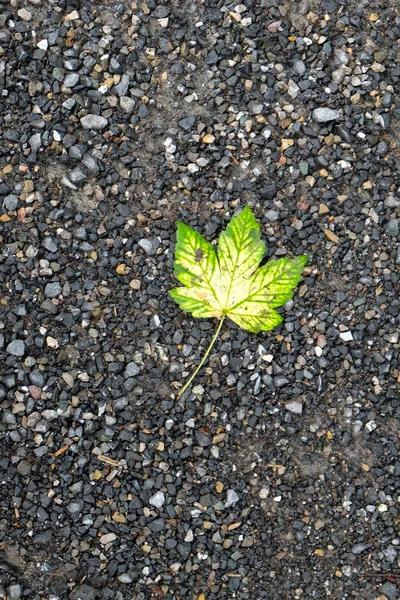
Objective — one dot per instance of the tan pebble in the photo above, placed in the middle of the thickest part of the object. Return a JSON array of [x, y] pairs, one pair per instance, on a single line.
[[118, 517], [302, 290], [52, 342], [319, 552], [331, 236], [28, 186], [72, 16], [235, 16], [323, 209], [7, 169], [97, 475], [219, 487], [135, 284], [208, 139], [286, 143], [121, 269], [367, 185], [24, 14], [377, 67]]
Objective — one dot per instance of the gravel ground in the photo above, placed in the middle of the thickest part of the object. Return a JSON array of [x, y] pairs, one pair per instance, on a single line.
[[277, 475]]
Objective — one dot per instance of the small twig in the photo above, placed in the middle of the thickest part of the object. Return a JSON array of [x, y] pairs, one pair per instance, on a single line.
[[109, 461], [386, 575]]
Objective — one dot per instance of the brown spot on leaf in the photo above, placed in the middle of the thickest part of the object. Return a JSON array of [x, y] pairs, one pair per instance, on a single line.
[[199, 254]]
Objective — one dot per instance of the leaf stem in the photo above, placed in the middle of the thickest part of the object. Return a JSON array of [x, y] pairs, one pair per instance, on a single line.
[[203, 360]]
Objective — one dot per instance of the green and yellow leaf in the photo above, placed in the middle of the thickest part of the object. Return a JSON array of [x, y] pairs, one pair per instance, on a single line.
[[229, 282]]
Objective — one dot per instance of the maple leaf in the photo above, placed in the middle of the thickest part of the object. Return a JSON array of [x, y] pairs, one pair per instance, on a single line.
[[229, 282]]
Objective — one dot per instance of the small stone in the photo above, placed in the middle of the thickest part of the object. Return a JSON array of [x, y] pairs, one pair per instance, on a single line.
[[377, 67], [189, 536], [52, 342], [254, 107], [272, 215], [274, 27], [121, 269], [16, 348], [231, 498], [299, 67], [359, 548], [35, 141], [392, 202], [127, 104], [157, 500], [43, 45], [50, 244], [131, 369], [294, 407], [14, 592], [52, 290], [323, 209], [24, 468], [157, 525], [293, 89], [286, 143], [77, 176], [208, 139], [323, 115], [268, 191], [370, 426], [150, 246], [392, 228], [202, 439], [74, 508], [72, 16], [387, 99], [346, 336], [331, 236], [187, 123], [280, 381], [390, 590], [71, 80], [122, 87], [330, 6], [212, 58], [93, 122], [107, 538], [24, 14], [83, 592], [11, 202], [125, 578]]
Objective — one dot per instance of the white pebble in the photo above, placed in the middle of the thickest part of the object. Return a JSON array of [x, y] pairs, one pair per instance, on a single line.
[[43, 45], [346, 336]]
